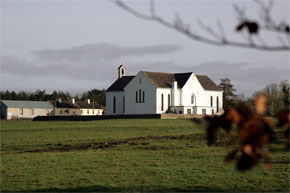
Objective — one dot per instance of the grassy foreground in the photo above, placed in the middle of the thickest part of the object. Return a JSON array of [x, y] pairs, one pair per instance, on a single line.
[[137, 155]]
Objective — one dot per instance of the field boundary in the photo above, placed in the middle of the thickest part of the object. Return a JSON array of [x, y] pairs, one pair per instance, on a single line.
[[92, 118], [104, 117]]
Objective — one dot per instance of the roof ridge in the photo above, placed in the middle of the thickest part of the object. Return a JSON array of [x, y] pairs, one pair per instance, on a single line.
[[157, 72]]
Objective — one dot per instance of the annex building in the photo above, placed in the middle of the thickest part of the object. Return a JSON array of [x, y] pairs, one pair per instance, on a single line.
[[12, 109], [158, 92]]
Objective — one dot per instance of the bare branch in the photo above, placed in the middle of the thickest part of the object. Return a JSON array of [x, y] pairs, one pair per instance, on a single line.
[[222, 30], [179, 26], [208, 29]]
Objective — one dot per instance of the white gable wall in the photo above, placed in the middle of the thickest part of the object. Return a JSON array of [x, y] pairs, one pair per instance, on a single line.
[[202, 97], [192, 86], [119, 102], [149, 104]]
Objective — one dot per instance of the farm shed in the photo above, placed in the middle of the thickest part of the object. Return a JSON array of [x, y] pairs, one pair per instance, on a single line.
[[12, 109]]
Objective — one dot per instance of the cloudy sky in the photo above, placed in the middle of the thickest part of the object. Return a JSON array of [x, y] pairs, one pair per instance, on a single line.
[[78, 45]]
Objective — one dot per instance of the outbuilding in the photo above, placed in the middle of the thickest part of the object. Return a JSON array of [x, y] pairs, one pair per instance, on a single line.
[[14, 109]]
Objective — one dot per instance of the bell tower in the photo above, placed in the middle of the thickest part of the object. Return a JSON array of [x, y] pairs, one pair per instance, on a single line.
[[121, 71]]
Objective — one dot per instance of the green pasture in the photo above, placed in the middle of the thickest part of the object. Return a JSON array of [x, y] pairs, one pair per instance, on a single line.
[[153, 156]]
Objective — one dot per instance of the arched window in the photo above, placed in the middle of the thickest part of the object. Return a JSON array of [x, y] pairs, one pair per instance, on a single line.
[[114, 105], [162, 102], [168, 100], [143, 97], [122, 72], [136, 96], [192, 99], [139, 95], [211, 101], [217, 104], [123, 104]]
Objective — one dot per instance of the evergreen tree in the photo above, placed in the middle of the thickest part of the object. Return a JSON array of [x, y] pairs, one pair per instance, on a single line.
[[228, 94]]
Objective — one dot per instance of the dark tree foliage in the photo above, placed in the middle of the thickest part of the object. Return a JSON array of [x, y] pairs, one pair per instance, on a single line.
[[278, 97], [38, 95], [96, 95], [285, 89], [228, 94]]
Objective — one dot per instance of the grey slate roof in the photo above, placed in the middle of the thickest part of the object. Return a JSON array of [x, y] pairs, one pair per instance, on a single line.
[[27, 104], [207, 83], [120, 83], [164, 80], [77, 105]]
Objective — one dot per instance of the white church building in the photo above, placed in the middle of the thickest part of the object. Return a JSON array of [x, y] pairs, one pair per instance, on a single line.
[[157, 93]]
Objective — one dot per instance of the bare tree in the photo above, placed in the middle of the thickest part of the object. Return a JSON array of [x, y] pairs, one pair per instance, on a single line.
[[218, 36]]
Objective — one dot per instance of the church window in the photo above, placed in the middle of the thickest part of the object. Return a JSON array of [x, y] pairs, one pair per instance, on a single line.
[[143, 96], [139, 95], [114, 105], [162, 102], [136, 96], [123, 104], [217, 104], [211, 101], [168, 100], [192, 99]]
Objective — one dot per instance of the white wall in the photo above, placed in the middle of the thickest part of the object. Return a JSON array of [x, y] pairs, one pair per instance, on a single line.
[[165, 92], [119, 102], [202, 97], [28, 113], [146, 107], [85, 112]]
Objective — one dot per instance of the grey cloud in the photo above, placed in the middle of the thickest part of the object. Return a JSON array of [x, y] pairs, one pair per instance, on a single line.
[[97, 64], [246, 77], [104, 51], [95, 61]]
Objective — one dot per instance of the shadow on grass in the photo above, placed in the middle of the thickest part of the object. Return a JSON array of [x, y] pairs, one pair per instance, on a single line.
[[128, 189]]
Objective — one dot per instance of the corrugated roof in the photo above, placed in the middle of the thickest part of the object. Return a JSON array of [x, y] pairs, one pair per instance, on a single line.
[[207, 83], [120, 83], [164, 80], [27, 104]]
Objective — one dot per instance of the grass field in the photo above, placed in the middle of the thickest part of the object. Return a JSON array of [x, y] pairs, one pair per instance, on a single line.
[[138, 155]]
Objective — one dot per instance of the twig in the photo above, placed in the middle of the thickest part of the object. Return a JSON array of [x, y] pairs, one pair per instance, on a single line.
[[185, 29]]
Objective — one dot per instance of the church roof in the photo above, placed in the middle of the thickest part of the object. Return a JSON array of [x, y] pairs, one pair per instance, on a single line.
[[207, 83], [120, 83], [164, 80]]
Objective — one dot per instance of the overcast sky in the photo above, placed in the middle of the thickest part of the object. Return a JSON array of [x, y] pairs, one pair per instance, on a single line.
[[78, 45]]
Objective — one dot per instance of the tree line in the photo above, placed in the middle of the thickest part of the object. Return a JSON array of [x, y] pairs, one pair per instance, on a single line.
[[278, 96], [96, 95]]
